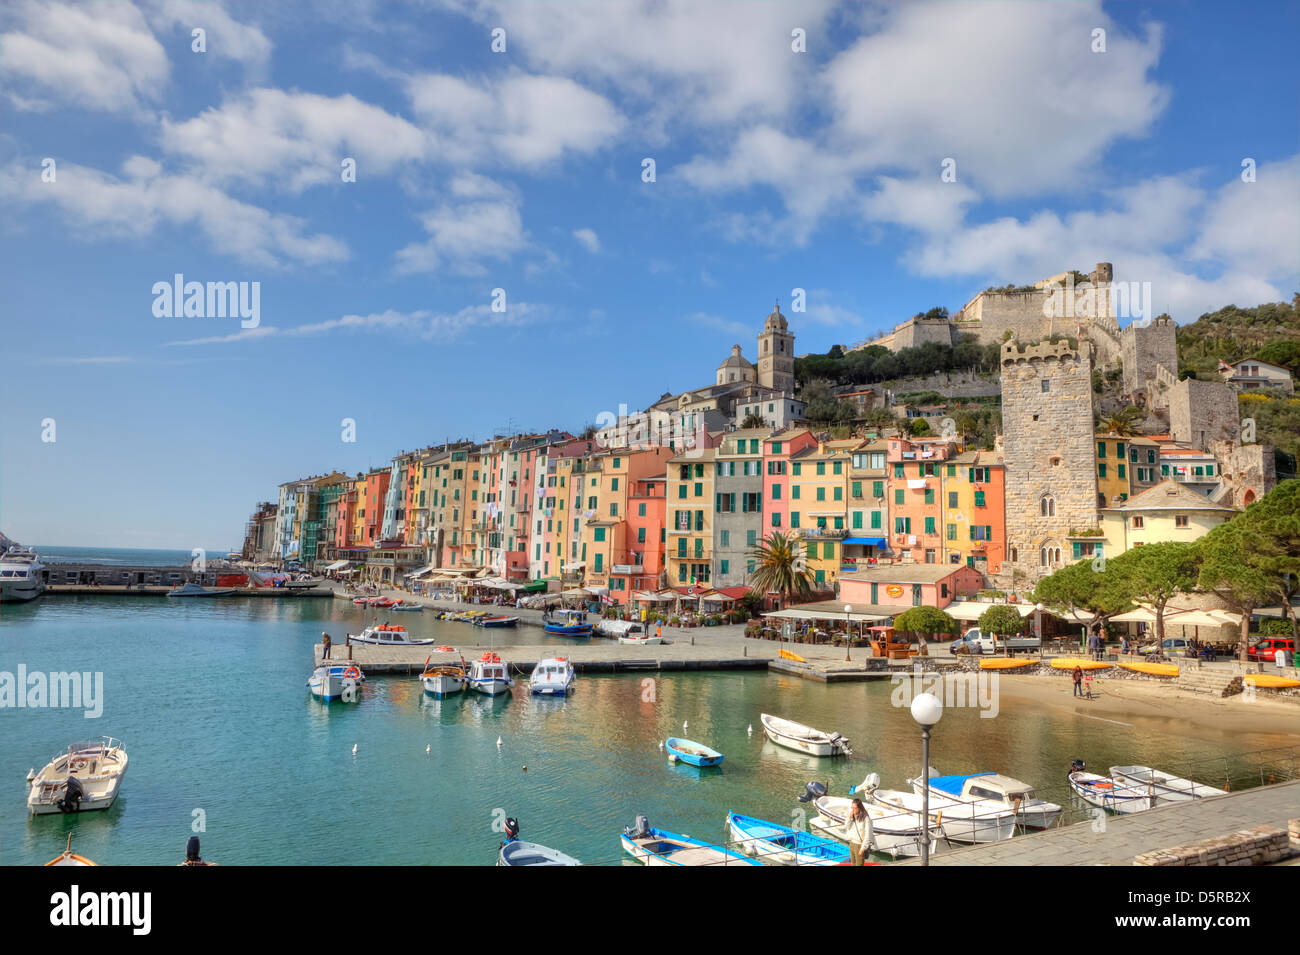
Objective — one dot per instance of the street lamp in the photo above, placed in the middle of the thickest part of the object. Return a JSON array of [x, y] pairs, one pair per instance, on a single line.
[[848, 632], [1038, 627], [926, 710]]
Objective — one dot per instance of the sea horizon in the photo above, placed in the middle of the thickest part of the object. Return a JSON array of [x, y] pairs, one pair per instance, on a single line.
[[82, 554]]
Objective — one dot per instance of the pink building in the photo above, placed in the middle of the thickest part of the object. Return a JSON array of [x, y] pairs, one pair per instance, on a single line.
[[777, 451]]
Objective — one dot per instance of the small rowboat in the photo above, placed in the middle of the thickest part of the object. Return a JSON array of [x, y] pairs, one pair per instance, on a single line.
[[531, 853], [1069, 663], [1005, 663], [803, 739], [689, 751], [774, 842], [1165, 787], [69, 857], [411, 608], [1109, 794], [659, 847], [496, 621], [1269, 681], [1155, 669]]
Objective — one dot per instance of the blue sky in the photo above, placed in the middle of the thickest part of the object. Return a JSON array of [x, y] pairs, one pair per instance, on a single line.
[[522, 170]]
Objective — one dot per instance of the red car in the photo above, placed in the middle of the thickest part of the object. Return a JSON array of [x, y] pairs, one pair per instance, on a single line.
[[1267, 648]]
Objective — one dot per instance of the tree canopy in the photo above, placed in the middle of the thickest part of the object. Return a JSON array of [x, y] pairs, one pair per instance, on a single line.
[[1003, 620]]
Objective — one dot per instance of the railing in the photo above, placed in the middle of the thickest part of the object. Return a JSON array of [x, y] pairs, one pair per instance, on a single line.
[[830, 533]]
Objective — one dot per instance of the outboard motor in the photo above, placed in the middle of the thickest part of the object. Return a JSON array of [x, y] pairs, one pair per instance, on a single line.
[[641, 829], [814, 790], [72, 795], [192, 850], [512, 830], [867, 785], [1076, 765]]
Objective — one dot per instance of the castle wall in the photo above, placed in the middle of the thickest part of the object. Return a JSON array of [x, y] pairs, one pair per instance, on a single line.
[[915, 332], [1143, 348], [1248, 471], [1202, 412]]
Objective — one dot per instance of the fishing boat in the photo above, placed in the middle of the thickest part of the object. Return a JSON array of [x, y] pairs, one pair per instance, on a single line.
[[992, 791], [68, 857], [1166, 787], [638, 639], [962, 822], [489, 675], [553, 676], [388, 635], [84, 777], [407, 608], [773, 842], [443, 679], [1106, 793], [802, 738], [193, 589], [496, 621], [21, 575], [660, 847], [895, 834], [689, 751], [374, 602], [567, 623], [336, 681], [531, 853]]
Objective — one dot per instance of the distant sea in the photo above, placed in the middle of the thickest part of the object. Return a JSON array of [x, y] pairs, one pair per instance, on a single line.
[[122, 555]]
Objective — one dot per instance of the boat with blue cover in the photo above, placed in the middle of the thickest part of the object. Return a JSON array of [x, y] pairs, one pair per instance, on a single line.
[[660, 847], [689, 751], [993, 791], [567, 623], [773, 842]]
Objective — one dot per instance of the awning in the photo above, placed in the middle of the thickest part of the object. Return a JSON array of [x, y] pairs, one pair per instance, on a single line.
[[533, 586], [339, 565], [646, 597], [578, 566], [866, 541], [974, 609], [576, 592], [421, 572], [824, 615]]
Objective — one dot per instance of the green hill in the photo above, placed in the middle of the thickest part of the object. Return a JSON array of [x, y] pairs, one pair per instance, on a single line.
[[1269, 332]]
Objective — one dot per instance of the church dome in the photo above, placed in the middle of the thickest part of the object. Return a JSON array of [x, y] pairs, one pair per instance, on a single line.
[[735, 359], [775, 322]]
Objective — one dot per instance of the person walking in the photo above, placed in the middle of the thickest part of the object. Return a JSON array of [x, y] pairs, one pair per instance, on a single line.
[[1078, 680], [326, 643], [859, 832]]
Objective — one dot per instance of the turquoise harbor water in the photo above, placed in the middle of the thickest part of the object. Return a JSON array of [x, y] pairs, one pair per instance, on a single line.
[[210, 699]]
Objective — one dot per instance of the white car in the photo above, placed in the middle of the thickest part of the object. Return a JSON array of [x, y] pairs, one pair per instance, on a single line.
[[1172, 645]]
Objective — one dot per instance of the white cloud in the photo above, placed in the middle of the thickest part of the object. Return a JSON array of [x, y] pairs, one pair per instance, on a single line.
[[590, 241], [516, 119], [1255, 225], [301, 139], [98, 56], [480, 221], [718, 323], [145, 199], [226, 37]]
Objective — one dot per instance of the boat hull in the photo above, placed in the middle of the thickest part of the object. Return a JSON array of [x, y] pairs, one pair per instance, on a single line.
[[771, 842], [1163, 786], [330, 687], [692, 753], [490, 687], [802, 739], [671, 849], [897, 835], [1108, 794], [100, 789], [960, 822], [564, 631], [20, 591], [440, 686], [518, 853]]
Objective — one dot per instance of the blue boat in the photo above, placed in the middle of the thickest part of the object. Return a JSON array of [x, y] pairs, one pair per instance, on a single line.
[[660, 847], [567, 623], [777, 843], [689, 751]]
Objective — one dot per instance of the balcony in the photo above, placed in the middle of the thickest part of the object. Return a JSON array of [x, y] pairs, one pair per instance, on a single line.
[[823, 533], [627, 569]]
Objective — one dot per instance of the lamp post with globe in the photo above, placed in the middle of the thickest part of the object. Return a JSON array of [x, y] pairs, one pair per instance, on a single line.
[[926, 710]]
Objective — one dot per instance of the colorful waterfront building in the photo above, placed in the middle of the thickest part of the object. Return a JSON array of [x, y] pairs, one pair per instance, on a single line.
[[609, 477], [909, 585], [646, 538], [738, 504], [868, 507], [689, 504], [778, 450], [818, 505], [1112, 466], [1170, 511], [370, 506], [915, 505], [974, 511]]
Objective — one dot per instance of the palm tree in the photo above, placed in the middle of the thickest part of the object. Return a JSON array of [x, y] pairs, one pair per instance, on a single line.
[[1122, 425], [779, 567]]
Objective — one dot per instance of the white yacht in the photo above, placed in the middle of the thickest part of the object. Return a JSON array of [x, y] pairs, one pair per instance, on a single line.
[[553, 676], [991, 791], [490, 675], [21, 575], [85, 776], [387, 635]]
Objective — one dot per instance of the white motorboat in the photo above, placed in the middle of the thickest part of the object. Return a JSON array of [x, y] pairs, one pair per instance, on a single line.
[[1165, 787], [489, 675], [388, 635], [86, 776], [553, 676], [193, 589], [895, 834], [21, 575], [993, 791], [803, 739], [1109, 794], [961, 822], [443, 679], [337, 681]]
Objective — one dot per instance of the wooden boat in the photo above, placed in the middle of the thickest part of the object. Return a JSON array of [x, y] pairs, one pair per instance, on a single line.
[[1005, 663], [1108, 794], [443, 679], [1269, 681], [387, 635], [567, 623], [553, 676], [1165, 787], [803, 739], [84, 777], [1155, 669], [1069, 663], [660, 847], [516, 852], [489, 675], [773, 842], [68, 857], [408, 608], [374, 602], [496, 621], [893, 833], [689, 751], [336, 681], [992, 791], [961, 822]]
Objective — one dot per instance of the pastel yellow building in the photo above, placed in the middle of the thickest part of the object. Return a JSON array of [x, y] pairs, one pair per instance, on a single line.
[[689, 523], [1167, 512], [1112, 469], [819, 505]]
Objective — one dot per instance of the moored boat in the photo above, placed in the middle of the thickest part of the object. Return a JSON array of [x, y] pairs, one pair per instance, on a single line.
[[803, 739], [773, 842], [1069, 663], [489, 675], [388, 635], [553, 676], [85, 776], [501, 621], [660, 847], [68, 857], [1154, 669], [961, 822], [567, 623], [407, 608], [193, 589], [443, 679], [995, 792], [516, 852], [893, 833], [1107, 793], [21, 575], [1165, 787], [336, 681], [689, 751]]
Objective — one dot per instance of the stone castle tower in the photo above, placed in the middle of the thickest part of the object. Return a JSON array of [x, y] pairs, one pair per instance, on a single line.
[[776, 354], [1051, 484], [1148, 347]]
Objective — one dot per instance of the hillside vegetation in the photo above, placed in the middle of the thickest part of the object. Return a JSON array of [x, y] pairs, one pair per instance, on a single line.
[[1269, 332]]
